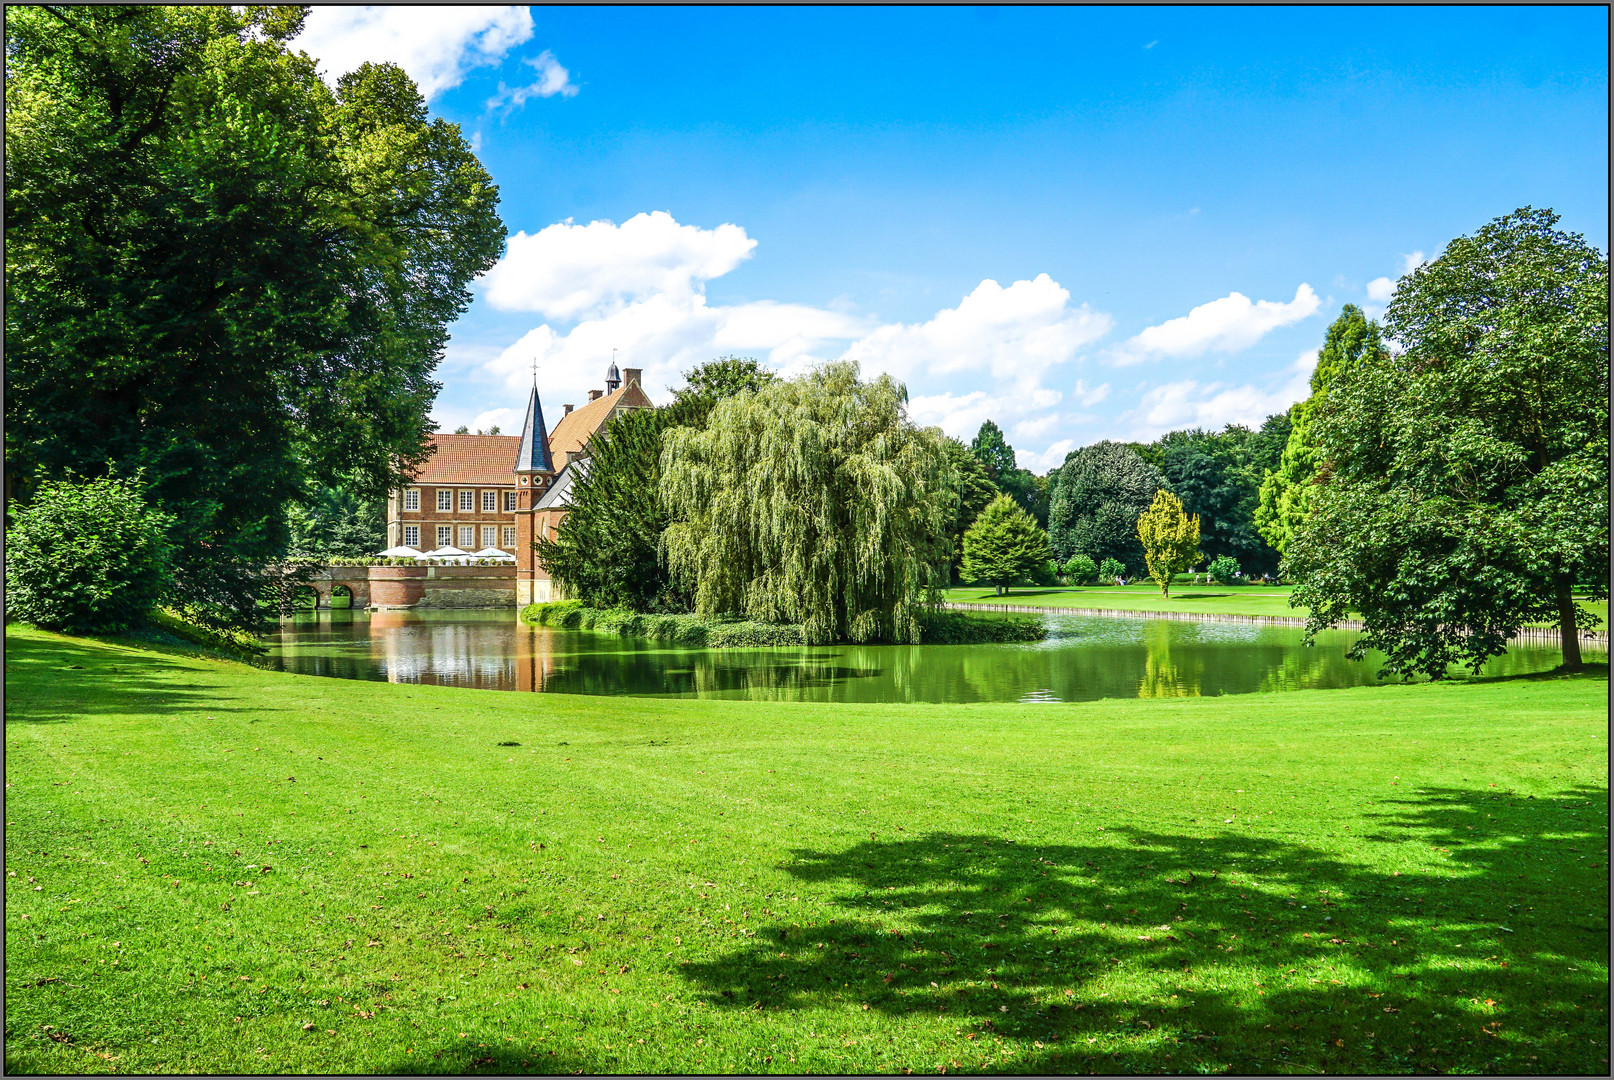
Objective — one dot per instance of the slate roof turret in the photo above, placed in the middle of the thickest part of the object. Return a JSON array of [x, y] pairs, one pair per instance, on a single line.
[[533, 455]]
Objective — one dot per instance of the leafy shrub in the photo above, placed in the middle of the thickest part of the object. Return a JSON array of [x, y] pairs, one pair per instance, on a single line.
[[1224, 569], [1110, 569], [87, 556], [1079, 570], [978, 628]]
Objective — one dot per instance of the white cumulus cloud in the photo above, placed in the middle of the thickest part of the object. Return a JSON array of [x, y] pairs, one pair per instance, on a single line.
[[552, 80], [568, 270], [436, 45], [639, 288], [1016, 334], [1230, 324], [1189, 403], [1379, 290], [1411, 261]]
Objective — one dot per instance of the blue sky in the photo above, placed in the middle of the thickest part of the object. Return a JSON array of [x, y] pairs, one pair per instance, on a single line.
[[1082, 223]]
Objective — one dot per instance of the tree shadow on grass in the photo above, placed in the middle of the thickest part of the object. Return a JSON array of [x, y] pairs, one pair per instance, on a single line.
[[51, 680], [1239, 951]]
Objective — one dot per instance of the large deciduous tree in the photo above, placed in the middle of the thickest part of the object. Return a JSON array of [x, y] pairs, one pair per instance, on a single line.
[[1003, 546], [1097, 497], [813, 501], [1287, 487], [1463, 489], [222, 272]]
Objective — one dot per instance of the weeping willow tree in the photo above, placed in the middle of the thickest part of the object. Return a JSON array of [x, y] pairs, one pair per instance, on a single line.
[[812, 501]]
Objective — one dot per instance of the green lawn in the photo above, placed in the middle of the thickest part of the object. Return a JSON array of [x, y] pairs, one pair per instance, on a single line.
[[216, 868], [1211, 599]]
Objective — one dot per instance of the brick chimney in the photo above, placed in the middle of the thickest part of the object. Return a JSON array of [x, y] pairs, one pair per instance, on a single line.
[[631, 375], [568, 409], [594, 395]]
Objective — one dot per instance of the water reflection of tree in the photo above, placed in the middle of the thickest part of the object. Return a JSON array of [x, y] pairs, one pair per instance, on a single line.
[[1161, 676]]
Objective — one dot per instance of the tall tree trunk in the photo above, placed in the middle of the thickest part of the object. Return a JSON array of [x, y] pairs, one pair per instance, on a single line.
[[1566, 626]]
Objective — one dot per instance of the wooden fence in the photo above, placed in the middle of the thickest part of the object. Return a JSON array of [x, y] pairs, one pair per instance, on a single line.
[[1529, 635]]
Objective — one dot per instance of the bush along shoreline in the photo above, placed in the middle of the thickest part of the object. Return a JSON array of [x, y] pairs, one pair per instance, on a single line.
[[701, 631]]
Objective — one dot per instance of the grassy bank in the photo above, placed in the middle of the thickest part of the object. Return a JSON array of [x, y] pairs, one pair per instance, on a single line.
[[216, 868], [700, 631], [1145, 596]]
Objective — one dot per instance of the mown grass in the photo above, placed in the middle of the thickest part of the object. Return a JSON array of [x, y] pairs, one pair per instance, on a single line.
[[1145, 596], [1394, 879]]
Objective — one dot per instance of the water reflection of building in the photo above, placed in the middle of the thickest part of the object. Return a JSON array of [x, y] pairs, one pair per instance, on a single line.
[[470, 654], [534, 659]]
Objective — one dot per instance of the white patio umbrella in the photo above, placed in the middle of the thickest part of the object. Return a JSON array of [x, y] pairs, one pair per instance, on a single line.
[[403, 551], [447, 552], [493, 553]]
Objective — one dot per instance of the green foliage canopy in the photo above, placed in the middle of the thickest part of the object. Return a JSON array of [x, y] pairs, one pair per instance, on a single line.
[[724, 377], [1004, 545], [223, 272], [1097, 496], [1286, 489], [1465, 480], [996, 456], [1170, 539], [87, 556], [975, 491], [1217, 476], [812, 501]]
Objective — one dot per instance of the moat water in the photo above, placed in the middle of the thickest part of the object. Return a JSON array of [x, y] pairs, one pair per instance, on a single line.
[[1083, 659]]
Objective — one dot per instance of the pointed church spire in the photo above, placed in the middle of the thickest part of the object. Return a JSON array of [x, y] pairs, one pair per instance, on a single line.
[[534, 453]]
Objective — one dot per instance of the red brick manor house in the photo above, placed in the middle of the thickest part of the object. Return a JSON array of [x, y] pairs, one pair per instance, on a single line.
[[503, 491]]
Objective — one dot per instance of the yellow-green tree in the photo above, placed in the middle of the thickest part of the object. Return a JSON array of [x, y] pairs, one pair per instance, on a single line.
[[1170, 539]]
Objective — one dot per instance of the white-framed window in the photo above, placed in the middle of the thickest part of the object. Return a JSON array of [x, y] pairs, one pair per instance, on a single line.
[[412, 536], [445, 535], [509, 536], [411, 498], [490, 535], [467, 502], [490, 502], [509, 500], [445, 500], [467, 536]]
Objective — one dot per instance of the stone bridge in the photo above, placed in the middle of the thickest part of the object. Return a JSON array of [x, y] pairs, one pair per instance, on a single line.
[[393, 587]]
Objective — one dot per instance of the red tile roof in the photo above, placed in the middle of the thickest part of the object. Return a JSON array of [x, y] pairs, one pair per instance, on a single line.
[[471, 460], [575, 428]]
